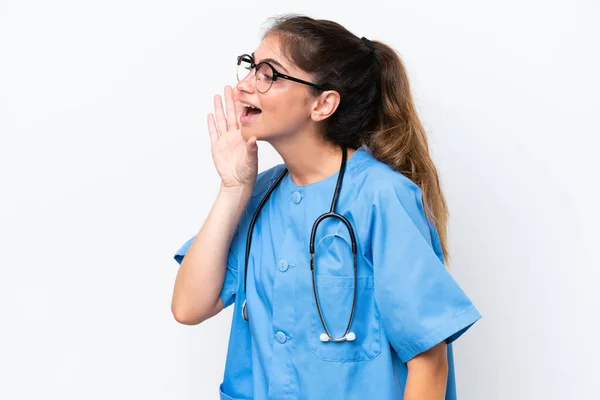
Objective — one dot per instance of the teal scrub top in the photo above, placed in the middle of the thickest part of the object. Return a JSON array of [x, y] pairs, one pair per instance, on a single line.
[[407, 301]]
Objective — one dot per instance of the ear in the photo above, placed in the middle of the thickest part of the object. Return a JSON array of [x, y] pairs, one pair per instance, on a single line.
[[325, 105]]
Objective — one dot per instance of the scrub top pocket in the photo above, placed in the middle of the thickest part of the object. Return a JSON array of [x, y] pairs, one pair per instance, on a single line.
[[335, 298], [334, 282]]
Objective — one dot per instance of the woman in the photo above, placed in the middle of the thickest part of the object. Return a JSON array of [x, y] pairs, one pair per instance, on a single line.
[[312, 320]]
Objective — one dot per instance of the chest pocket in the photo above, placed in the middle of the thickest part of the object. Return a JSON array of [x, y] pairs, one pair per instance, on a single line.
[[334, 282]]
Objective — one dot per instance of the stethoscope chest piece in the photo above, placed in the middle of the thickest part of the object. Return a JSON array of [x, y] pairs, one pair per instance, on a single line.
[[349, 337]]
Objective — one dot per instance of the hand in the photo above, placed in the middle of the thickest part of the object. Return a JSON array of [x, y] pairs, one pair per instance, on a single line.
[[235, 158]]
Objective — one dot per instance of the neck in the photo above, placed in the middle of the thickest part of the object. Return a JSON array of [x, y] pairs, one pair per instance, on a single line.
[[308, 158]]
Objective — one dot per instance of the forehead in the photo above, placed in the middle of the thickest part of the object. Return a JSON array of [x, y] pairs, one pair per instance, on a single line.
[[270, 50]]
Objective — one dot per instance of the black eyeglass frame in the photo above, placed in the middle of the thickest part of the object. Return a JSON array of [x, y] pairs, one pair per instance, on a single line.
[[276, 74]]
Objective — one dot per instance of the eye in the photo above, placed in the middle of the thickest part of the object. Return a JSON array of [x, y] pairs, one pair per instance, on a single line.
[[265, 73], [266, 77]]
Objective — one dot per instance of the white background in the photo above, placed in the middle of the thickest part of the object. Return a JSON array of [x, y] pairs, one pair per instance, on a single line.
[[106, 170]]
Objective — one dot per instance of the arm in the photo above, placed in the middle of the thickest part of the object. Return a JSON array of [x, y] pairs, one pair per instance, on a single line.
[[427, 375], [196, 295], [200, 277]]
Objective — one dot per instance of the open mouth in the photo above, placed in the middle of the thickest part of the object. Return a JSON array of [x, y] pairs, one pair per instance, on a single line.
[[250, 112]]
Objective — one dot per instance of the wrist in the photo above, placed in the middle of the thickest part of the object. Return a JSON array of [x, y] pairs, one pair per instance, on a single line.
[[244, 190]]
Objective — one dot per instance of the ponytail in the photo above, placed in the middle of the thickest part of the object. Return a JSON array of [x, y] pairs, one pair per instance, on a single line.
[[401, 142]]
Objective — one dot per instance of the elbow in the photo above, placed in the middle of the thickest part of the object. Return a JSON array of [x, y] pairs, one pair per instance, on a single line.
[[186, 315], [186, 319]]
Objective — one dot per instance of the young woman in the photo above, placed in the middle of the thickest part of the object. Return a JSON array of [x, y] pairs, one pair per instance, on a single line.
[[335, 259]]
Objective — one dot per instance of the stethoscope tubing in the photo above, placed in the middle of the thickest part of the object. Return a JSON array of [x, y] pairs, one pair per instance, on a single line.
[[326, 337]]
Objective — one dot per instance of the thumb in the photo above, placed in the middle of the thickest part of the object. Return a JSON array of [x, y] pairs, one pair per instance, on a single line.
[[251, 157], [251, 145]]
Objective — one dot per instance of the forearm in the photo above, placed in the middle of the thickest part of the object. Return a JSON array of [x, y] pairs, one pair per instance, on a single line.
[[428, 375], [200, 277]]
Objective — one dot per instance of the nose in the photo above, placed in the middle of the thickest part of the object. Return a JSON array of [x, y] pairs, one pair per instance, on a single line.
[[247, 84]]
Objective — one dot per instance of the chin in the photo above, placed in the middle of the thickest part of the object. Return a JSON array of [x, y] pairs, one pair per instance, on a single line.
[[248, 132]]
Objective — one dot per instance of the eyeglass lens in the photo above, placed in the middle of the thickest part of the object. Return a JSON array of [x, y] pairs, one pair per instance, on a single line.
[[263, 76]]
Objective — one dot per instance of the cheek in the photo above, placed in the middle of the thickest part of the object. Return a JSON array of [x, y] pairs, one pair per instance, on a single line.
[[285, 112]]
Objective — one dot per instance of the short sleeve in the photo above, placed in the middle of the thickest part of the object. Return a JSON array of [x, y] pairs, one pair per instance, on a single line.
[[420, 303], [231, 274]]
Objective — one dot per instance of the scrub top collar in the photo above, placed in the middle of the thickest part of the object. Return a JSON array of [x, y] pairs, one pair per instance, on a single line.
[[353, 161]]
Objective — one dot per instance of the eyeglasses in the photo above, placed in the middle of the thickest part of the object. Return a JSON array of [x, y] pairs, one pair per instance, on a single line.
[[265, 74]]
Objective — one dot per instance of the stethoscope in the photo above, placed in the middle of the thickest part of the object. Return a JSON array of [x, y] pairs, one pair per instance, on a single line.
[[326, 336]]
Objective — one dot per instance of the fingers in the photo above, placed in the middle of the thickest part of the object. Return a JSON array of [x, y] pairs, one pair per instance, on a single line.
[[220, 115], [239, 108], [230, 107], [212, 128]]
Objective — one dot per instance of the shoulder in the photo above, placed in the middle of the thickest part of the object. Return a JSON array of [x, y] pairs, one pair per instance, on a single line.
[[388, 195], [376, 182]]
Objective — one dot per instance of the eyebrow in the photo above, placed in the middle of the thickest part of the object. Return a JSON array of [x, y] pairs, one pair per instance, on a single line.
[[271, 61]]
